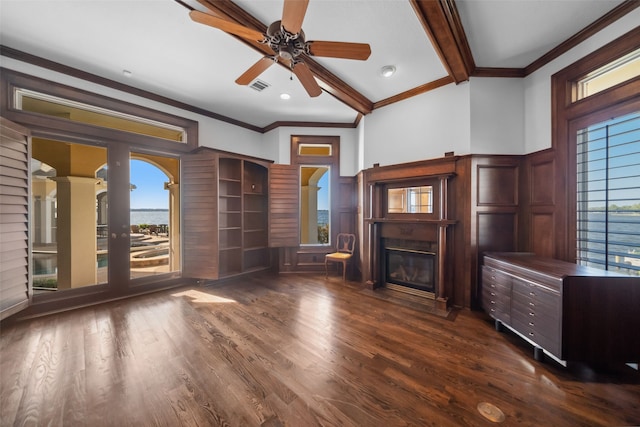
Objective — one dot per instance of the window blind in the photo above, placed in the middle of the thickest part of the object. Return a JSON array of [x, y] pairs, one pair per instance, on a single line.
[[608, 195]]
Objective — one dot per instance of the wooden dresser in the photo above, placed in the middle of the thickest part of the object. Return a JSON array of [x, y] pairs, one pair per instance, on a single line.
[[570, 312]]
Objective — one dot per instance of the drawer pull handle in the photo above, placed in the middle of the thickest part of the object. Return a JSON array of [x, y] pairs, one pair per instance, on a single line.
[[532, 304], [531, 324], [533, 294], [530, 334], [493, 294], [531, 314], [492, 310], [493, 302]]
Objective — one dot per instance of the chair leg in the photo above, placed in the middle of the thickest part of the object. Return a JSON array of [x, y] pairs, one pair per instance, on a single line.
[[344, 271]]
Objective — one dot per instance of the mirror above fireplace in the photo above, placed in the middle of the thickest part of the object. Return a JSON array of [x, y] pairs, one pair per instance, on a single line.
[[412, 200]]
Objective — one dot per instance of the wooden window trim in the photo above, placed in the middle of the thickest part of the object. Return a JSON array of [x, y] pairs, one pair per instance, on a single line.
[[568, 116], [43, 125]]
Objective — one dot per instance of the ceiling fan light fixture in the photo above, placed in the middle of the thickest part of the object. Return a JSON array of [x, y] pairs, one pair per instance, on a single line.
[[387, 71], [285, 96]]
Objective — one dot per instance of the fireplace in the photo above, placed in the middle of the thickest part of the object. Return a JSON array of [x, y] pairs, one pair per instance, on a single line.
[[410, 270], [408, 230]]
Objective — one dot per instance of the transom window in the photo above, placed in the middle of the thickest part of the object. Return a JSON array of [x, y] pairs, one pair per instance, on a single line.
[[618, 71]]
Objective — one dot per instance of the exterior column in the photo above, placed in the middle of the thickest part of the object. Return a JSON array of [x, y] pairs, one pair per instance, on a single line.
[[76, 227], [309, 212], [174, 226]]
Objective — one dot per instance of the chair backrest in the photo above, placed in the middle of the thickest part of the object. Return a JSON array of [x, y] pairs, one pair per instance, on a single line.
[[345, 243]]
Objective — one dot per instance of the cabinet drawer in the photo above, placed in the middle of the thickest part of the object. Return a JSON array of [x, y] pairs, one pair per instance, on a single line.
[[537, 294], [499, 278], [498, 308], [543, 322], [544, 338]]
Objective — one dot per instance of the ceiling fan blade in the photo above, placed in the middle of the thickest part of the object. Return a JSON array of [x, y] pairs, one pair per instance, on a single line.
[[255, 70], [360, 51], [224, 25], [306, 78], [293, 15]]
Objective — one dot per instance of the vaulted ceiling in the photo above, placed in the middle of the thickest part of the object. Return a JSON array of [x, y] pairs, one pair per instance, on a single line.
[[153, 48]]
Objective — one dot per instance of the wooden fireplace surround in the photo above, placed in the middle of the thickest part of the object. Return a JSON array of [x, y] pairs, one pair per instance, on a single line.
[[435, 229]]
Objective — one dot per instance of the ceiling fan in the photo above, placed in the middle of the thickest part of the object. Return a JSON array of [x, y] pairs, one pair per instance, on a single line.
[[287, 40]]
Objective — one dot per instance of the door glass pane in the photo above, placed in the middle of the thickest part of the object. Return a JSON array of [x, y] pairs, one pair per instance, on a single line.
[[155, 215], [315, 212], [69, 222]]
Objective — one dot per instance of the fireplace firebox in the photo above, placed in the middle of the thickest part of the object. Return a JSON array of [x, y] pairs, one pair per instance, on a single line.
[[410, 270]]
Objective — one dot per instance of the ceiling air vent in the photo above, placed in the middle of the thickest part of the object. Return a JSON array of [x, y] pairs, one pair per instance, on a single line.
[[259, 85]]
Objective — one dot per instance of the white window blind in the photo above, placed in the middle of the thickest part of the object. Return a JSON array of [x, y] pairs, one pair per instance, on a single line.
[[608, 195]]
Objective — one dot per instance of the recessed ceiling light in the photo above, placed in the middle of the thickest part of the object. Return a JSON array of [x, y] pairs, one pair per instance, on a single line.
[[285, 96], [127, 73], [387, 71]]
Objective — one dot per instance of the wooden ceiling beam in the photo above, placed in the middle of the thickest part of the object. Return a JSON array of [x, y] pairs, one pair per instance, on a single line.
[[441, 21], [328, 81]]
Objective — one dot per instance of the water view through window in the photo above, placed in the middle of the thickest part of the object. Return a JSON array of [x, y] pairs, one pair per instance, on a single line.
[[608, 197]]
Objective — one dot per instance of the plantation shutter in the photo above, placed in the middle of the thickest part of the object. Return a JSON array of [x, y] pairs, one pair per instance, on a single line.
[[284, 206], [15, 280], [199, 190]]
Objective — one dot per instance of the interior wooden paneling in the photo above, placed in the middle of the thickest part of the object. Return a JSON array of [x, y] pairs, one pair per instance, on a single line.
[[542, 234], [497, 232], [15, 286], [542, 177], [497, 185], [200, 215]]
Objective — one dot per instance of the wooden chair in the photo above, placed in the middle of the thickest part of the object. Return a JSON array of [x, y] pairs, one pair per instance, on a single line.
[[344, 251]]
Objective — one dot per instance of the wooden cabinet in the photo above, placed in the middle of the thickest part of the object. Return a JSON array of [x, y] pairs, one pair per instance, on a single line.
[[242, 216], [570, 312], [496, 294]]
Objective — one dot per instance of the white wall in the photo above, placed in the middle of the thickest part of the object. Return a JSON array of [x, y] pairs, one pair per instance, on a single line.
[[278, 144], [482, 116], [497, 116], [537, 86], [212, 133], [422, 127]]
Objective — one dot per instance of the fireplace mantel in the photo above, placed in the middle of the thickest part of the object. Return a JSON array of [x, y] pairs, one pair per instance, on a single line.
[[433, 230]]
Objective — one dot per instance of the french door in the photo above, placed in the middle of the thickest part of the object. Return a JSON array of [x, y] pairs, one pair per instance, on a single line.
[[85, 236]]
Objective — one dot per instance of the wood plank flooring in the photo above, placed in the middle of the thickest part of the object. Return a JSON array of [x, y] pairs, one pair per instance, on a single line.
[[289, 350]]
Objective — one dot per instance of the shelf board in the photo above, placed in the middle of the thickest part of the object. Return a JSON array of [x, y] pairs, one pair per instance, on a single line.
[[254, 230], [230, 212], [248, 211], [230, 179], [254, 248], [229, 228], [231, 196], [230, 248]]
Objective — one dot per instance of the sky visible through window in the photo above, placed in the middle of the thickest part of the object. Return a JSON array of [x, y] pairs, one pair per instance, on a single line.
[[149, 192]]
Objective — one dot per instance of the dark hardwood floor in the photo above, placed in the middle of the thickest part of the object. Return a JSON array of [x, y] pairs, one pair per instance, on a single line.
[[294, 350]]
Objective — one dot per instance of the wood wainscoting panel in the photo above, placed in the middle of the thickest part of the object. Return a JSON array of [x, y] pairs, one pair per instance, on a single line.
[[541, 179], [541, 234], [497, 232], [497, 185], [538, 221]]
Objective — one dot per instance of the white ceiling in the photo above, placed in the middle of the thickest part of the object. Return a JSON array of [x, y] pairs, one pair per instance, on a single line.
[[170, 55]]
